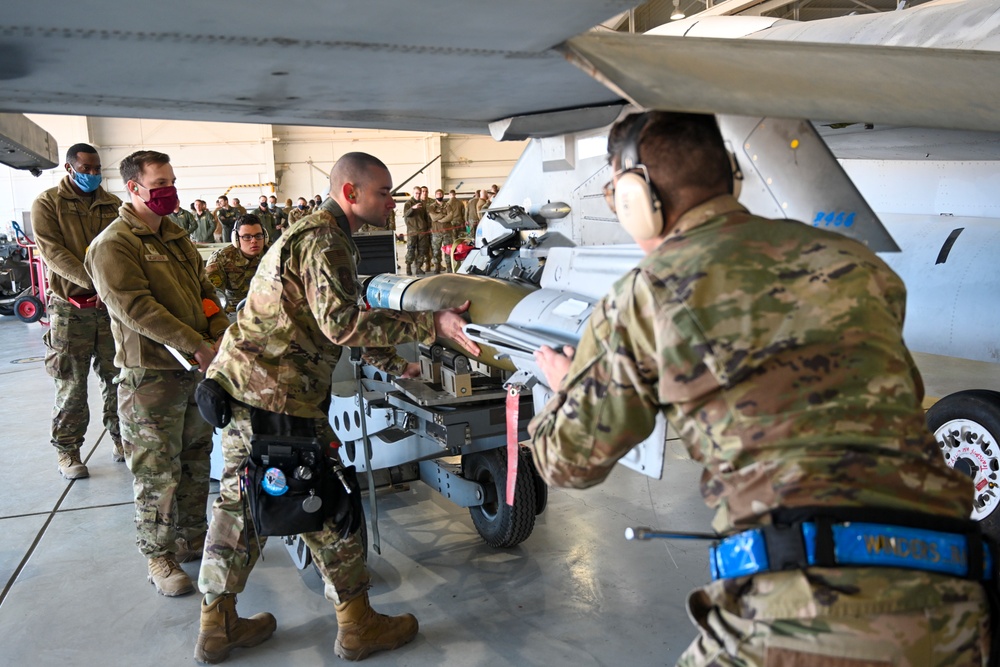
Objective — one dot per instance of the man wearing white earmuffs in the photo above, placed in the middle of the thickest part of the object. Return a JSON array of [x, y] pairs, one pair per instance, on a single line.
[[775, 349], [231, 268]]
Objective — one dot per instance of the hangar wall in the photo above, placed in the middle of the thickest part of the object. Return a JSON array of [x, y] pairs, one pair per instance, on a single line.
[[244, 160]]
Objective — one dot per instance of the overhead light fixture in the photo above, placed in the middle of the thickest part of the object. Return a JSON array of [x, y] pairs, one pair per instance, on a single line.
[[678, 14]]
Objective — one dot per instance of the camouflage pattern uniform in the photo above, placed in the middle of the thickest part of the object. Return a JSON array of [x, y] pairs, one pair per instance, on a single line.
[[64, 224], [441, 233], [775, 349], [304, 304], [204, 230], [417, 239], [296, 214], [154, 285], [230, 271], [471, 216], [226, 220]]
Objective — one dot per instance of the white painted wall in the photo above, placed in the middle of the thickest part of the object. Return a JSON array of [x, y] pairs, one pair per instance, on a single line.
[[209, 159], [303, 156], [242, 160]]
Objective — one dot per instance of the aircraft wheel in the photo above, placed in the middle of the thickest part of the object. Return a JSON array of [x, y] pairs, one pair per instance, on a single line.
[[28, 309], [499, 524], [967, 427]]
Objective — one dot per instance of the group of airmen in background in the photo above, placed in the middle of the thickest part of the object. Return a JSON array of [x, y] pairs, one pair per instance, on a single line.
[[217, 226], [433, 227]]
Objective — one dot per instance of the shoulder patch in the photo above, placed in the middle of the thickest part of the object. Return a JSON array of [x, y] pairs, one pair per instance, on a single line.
[[336, 255]]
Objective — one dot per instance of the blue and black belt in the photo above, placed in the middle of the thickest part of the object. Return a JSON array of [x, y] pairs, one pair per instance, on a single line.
[[864, 537], [855, 538], [852, 544], [799, 538]]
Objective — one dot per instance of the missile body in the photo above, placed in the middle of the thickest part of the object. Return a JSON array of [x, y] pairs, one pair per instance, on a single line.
[[492, 300]]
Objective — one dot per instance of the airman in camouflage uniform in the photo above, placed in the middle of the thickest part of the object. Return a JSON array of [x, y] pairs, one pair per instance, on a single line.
[[300, 211], [304, 304], [775, 349], [231, 268], [471, 214], [153, 280], [418, 225], [442, 230], [66, 219]]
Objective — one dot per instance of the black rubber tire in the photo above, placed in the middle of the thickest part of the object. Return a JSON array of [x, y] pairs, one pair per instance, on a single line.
[[966, 425], [28, 309], [499, 524], [541, 488]]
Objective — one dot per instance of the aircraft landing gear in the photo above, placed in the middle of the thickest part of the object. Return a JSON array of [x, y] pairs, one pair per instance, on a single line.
[[966, 425]]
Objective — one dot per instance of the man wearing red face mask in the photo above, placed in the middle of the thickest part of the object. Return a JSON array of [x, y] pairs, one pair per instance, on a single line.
[[153, 282]]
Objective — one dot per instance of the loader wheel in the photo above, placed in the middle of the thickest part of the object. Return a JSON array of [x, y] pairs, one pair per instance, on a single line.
[[499, 524], [967, 427], [28, 309]]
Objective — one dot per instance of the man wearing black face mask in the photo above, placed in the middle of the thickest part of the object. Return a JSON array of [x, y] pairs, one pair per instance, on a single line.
[[300, 211], [153, 281], [65, 220], [266, 218]]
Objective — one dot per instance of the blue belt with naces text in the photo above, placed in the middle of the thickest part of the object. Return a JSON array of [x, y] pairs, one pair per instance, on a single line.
[[855, 544]]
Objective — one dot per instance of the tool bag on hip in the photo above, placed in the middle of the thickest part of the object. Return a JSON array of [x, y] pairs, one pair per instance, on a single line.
[[292, 486]]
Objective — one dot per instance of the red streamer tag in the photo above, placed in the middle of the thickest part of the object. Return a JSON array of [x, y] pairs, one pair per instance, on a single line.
[[513, 447]]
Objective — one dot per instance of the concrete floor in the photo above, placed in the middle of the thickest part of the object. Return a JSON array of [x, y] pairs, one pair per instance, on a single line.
[[574, 593]]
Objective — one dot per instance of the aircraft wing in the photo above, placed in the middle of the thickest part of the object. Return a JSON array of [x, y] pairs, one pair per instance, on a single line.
[[449, 65], [926, 87]]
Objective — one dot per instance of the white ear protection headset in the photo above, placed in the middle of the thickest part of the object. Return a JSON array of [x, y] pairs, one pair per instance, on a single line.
[[637, 202], [236, 232]]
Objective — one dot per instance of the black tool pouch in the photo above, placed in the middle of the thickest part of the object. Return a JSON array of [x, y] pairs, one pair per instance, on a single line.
[[214, 403], [318, 487]]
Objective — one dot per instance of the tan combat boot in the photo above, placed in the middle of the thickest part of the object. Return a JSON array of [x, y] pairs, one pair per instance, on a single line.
[[70, 465], [222, 630], [361, 630], [409, 269], [168, 577]]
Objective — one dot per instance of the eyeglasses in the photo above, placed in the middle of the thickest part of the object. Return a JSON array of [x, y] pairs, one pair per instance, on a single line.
[[252, 237], [609, 195]]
